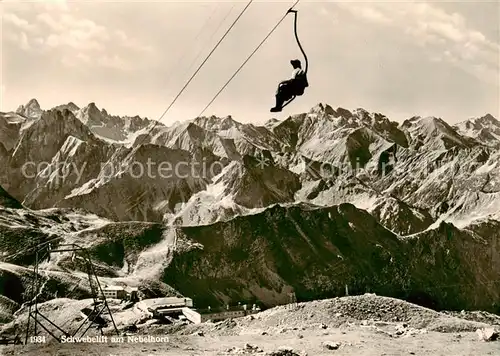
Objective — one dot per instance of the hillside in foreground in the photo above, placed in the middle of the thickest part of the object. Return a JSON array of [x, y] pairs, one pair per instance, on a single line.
[[358, 325]]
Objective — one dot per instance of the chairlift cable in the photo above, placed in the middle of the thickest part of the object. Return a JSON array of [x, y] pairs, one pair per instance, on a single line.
[[196, 72], [186, 50], [210, 39], [248, 58]]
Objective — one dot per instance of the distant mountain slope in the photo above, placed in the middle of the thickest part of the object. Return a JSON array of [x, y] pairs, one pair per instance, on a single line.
[[423, 169], [113, 247], [263, 256], [317, 252], [485, 129]]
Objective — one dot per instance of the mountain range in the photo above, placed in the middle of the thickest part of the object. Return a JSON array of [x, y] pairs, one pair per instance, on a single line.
[[223, 211]]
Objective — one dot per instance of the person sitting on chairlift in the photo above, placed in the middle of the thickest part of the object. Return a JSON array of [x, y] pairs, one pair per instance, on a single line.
[[291, 87]]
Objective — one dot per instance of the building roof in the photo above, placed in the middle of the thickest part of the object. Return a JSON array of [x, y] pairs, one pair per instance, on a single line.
[[115, 288], [220, 310], [160, 302]]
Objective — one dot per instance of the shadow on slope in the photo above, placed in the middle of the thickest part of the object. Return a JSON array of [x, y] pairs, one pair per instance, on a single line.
[[7, 201], [317, 252]]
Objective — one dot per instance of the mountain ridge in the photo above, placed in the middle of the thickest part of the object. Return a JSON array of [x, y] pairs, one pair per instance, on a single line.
[[343, 143], [234, 208]]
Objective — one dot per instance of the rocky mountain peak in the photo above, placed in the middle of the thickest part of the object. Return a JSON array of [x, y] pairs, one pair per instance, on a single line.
[[427, 125], [31, 110], [33, 103], [491, 119], [344, 113], [485, 129], [216, 123], [71, 106], [435, 133], [486, 121], [92, 108], [323, 109], [361, 113]]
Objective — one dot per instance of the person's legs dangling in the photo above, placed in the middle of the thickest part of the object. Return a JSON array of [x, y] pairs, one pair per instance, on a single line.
[[282, 94]]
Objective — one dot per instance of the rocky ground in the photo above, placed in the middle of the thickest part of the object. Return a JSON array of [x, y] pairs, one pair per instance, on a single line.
[[360, 325], [352, 341]]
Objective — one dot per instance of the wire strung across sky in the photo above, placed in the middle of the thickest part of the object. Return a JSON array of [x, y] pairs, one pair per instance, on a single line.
[[246, 60], [209, 40], [196, 72], [206, 59], [186, 50]]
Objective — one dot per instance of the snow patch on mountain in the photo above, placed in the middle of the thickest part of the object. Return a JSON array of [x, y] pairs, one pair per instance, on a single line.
[[485, 129], [152, 262], [434, 134], [472, 207], [223, 198]]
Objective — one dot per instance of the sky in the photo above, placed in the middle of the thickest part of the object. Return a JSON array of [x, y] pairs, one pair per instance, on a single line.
[[398, 58]]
